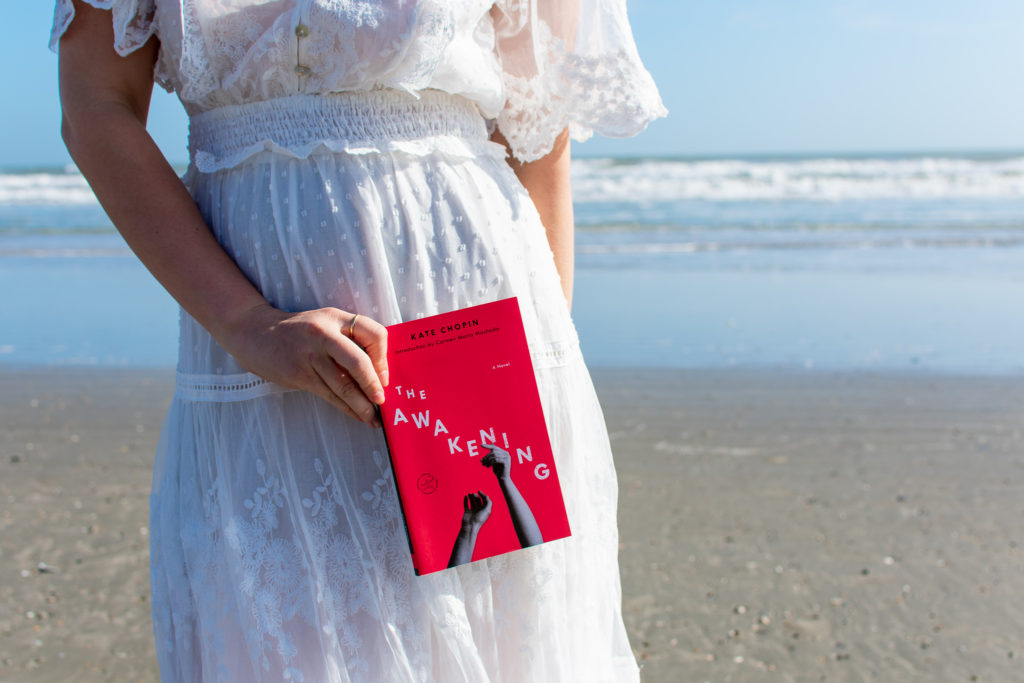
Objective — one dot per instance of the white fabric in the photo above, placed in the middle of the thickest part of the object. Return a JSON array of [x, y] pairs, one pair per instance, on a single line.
[[370, 122], [376, 229], [278, 554], [536, 66], [277, 547], [133, 22]]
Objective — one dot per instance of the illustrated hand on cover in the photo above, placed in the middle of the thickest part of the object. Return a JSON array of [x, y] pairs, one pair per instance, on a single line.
[[476, 509], [523, 520], [498, 460]]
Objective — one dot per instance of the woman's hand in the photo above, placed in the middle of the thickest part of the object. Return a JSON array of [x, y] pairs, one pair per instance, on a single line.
[[312, 350]]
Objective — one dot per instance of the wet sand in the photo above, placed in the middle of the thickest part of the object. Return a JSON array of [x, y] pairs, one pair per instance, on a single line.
[[780, 526]]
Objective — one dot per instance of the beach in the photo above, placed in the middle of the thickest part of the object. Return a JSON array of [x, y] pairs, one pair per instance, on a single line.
[[812, 369], [812, 527], [774, 524]]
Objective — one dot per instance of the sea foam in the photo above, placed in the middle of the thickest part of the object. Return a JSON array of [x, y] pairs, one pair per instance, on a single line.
[[808, 179], [737, 180], [44, 189]]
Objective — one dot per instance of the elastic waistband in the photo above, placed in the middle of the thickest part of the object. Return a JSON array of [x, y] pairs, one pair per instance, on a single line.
[[353, 122]]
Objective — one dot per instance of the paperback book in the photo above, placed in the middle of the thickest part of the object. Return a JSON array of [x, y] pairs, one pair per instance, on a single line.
[[469, 446]]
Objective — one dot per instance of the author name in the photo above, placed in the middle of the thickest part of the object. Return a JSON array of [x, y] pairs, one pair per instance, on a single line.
[[444, 329]]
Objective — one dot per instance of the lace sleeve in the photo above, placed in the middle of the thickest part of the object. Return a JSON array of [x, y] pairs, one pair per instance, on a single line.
[[133, 22], [570, 63]]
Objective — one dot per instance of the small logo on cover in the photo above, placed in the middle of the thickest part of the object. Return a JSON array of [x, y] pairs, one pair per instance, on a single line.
[[426, 483]]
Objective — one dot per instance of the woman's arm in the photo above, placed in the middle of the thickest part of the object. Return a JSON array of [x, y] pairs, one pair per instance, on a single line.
[[547, 181], [105, 102]]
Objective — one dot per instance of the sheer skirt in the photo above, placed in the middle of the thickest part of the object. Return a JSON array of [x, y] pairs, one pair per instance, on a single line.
[[278, 551]]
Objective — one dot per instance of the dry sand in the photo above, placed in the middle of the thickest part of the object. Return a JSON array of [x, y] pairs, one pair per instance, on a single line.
[[775, 526], [76, 457], [813, 527]]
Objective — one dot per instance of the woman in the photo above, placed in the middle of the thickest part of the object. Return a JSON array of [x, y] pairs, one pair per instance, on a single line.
[[343, 178]]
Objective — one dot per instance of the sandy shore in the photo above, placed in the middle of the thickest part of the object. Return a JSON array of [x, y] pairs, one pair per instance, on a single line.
[[775, 526], [812, 527]]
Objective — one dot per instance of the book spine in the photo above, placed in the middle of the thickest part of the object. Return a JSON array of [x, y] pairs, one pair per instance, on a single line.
[[398, 493]]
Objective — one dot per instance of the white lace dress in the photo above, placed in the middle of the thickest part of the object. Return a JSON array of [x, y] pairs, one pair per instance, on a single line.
[[340, 154]]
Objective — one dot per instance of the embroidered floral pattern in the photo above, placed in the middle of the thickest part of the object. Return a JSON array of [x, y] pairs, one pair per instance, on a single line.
[[271, 570]]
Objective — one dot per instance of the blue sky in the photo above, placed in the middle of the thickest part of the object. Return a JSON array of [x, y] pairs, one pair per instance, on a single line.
[[738, 76]]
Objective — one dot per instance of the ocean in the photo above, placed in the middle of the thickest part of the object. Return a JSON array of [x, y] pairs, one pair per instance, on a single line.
[[906, 263]]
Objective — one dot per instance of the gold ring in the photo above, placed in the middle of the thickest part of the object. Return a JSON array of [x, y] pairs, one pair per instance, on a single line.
[[352, 327]]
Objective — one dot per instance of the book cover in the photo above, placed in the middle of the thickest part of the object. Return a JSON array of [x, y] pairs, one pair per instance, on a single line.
[[466, 433]]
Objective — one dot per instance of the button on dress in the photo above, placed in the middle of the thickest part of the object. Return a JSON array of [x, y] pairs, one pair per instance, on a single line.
[[340, 153]]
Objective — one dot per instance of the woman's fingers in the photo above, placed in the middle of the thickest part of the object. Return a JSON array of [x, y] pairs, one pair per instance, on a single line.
[[372, 337], [329, 352], [326, 392], [342, 386], [351, 373], [347, 354]]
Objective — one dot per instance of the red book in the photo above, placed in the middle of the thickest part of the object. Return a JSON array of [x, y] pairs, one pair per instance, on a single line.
[[466, 433]]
